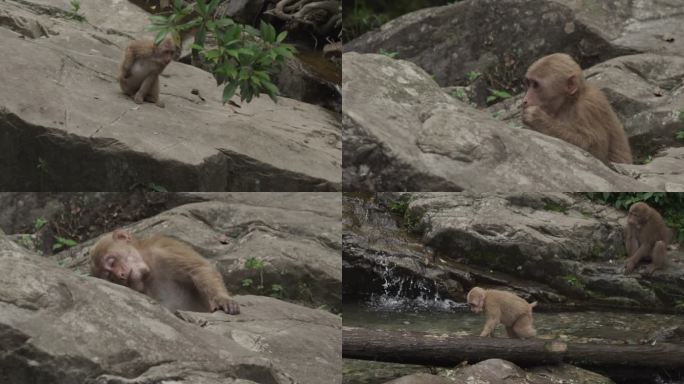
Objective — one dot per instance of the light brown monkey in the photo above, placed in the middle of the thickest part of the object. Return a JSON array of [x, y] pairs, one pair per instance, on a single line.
[[503, 307], [646, 237], [162, 268], [142, 64], [559, 103]]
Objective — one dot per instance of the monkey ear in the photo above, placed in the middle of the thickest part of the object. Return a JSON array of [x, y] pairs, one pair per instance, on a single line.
[[572, 85], [121, 234]]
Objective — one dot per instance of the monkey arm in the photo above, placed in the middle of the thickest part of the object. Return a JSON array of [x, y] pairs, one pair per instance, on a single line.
[[633, 260], [631, 241], [129, 59], [489, 326], [209, 283], [541, 122]]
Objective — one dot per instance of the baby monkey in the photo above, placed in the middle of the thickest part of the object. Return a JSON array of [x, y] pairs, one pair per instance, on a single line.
[[142, 64], [503, 307]]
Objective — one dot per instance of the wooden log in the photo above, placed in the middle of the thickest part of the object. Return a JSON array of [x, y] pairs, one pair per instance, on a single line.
[[410, 347]]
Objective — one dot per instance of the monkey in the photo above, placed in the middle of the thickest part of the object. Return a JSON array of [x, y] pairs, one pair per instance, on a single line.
[[559, 103], [142, 64], [163, 268], [503, 307], [646, 237]]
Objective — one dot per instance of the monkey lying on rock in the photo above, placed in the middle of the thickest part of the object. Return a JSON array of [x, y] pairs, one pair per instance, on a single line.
[[162, 268]]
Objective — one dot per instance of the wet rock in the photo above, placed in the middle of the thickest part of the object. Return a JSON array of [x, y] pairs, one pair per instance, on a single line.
[[421, 378]]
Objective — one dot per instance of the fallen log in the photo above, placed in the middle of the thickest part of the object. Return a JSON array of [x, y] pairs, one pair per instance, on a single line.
[[410, 347]]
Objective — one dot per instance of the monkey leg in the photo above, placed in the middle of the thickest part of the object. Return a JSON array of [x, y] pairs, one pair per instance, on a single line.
[[523, 327], [144, 90], [511, 333], [153, 95], [657, 256], [633, 260]]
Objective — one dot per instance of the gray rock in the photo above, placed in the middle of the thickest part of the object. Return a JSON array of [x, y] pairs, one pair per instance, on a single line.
[[664, 173], [472, 35], [401, 132], [67, 126], [299, 245]]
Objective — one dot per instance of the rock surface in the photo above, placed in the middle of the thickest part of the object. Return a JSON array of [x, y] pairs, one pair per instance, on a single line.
[[59, 326], [297, 238], [559, 249], [66, 125], [401, 132], [504, 36]]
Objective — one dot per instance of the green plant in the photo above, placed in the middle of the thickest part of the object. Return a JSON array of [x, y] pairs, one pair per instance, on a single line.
[[460, 94], [254, 263], [247, 282], [497, 95], [681, 116], [39, 223], [62, 243], [680, 135], [244, 56], [473, 75], [391, 55], [73, 12], [277, 291], [156, 187]]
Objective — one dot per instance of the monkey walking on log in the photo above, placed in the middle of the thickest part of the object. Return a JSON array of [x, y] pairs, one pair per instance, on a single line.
[[503, 307], [163, 268], [559, 103], [646, 237], [142, 64]]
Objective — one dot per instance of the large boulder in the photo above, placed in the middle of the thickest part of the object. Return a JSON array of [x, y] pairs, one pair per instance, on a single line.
[[57, 326], [402, 132], [66, 125]]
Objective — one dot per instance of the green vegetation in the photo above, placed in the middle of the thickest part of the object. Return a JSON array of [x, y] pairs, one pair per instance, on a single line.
[[400, 209], [244, 56], [255, 264], [156, 187], [460, 94], [554, 206], [573, 281], [39, 223], [391, 55], [669, 205], [62, 243], [496, 95], [73, 12], [473, 75]]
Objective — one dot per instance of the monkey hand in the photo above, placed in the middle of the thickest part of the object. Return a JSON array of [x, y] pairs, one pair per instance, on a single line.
[[629, 266], [224, 303], [138, 98], [535, 118]]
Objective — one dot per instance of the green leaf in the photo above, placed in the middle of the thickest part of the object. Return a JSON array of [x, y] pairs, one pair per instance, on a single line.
[[156, 19], [159, 37], [212, 6], [252, 31], [65, 241], [229, 91], [281, 36], [157, 188], [57, 246], [39, 223], [201, 8], [222, 23], [491, 98]]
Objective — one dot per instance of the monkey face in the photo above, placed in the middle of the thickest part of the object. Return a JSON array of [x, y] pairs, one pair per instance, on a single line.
[[116, 259], [638, 214], [475, 299]]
